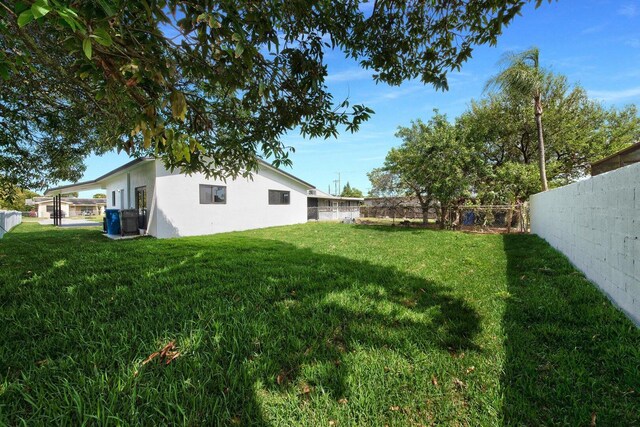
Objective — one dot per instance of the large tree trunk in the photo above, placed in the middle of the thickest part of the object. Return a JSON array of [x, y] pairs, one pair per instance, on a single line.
[[542, 163], [424, 205], [443, 216], [509, 218], [425, 212]]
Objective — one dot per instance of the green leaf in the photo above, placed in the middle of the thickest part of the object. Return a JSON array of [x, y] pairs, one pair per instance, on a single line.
[[213, 23], [178, 105], [107, 7], [68, 19], [239, 50], [4, 71], [40, 8], [102, 36], [24, 18], [86, 47], [20, 7]]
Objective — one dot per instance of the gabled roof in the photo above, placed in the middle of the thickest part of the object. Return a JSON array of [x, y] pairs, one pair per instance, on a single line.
[[94, 183], [287, 174]]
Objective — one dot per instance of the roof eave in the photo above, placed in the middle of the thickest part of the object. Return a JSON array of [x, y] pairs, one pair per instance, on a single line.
[[93, 184]]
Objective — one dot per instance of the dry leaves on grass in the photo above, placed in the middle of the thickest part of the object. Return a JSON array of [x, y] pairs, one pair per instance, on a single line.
[[166, 355], [282, 377], [459, 384]]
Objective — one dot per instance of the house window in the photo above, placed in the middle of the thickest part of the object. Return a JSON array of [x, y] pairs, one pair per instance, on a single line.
[[277, 197], [213, 194], [113, 199]]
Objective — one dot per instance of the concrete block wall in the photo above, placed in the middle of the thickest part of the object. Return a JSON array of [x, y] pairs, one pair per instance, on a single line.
[[596, 224], [8, 220]]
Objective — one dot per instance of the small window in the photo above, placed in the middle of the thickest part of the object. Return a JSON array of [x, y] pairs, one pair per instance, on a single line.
[[277, 197], [213, 194], [113, 199]]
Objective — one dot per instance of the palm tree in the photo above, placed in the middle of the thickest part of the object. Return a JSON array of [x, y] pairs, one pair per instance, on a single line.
[[522, 75]]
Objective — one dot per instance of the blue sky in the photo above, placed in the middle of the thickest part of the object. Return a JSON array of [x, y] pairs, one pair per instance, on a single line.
[[595, 43]]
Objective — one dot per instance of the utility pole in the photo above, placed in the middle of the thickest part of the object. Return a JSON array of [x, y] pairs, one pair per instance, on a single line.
[[337, 184]]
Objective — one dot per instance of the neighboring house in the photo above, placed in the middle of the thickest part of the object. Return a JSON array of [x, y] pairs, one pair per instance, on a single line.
[[172, 204], [70, 206], [625, 157], [322, 206]]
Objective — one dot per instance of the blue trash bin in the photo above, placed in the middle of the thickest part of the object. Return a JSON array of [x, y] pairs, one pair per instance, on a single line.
[[113, 221], [468, 218]]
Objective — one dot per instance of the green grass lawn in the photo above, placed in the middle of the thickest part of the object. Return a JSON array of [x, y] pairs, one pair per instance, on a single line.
[[316, 324]]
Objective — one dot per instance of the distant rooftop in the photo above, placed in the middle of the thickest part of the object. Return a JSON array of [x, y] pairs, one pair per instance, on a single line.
[[70, 200], [617, 160]]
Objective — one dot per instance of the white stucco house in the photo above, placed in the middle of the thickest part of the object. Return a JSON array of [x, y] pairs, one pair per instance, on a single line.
[[69, 206], [172, 204]]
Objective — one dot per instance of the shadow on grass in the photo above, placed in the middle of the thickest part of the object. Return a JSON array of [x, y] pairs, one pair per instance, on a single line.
[[250, 316], [570, 355]]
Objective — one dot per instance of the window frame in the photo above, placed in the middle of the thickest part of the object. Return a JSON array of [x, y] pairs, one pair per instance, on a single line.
[[213, 188], [282, 193]]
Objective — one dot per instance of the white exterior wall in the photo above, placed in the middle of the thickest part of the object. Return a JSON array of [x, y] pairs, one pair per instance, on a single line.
[[42, 209], [178, 211], [596, 224], [125, 183]]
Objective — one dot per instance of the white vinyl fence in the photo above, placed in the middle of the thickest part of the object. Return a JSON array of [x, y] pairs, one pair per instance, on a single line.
[[8, 220], [596, 224]]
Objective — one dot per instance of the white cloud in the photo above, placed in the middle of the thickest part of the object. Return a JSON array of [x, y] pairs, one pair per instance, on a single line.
[[394, 92], [350, 74], [630, 10], [633, 42], [594, 29], [615, 95]]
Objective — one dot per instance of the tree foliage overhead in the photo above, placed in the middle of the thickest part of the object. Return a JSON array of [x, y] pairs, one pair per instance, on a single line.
[[208, 85]]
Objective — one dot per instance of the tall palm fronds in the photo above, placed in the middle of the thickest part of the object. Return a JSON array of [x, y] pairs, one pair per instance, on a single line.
[[522, 75]]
